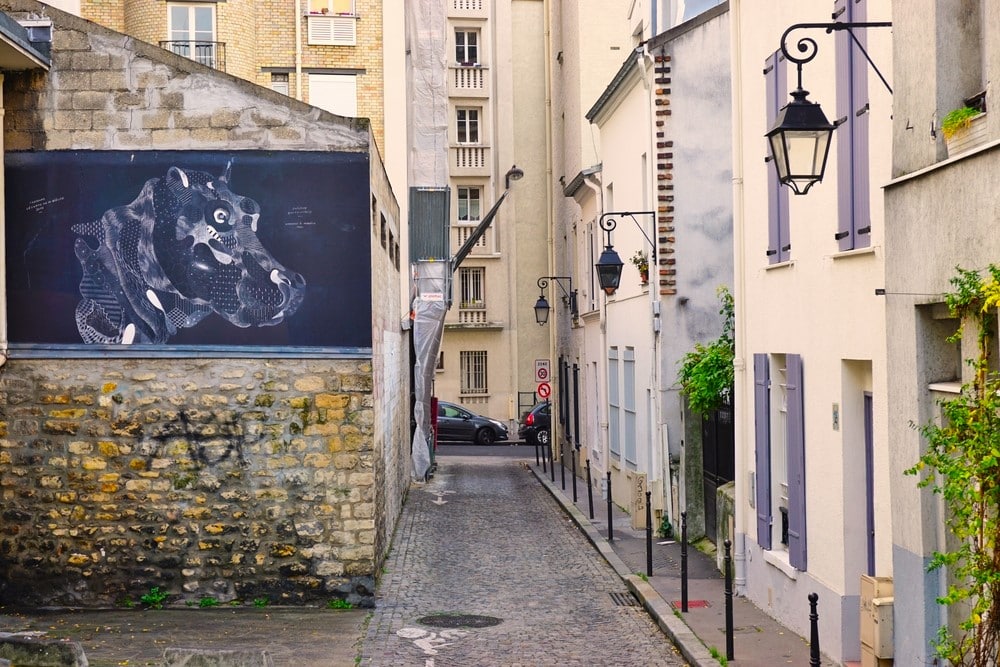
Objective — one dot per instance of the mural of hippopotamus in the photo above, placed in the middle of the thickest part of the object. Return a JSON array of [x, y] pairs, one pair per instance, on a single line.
[[185, 248]]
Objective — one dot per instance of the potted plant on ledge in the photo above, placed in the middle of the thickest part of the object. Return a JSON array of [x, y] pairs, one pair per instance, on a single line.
[[641, 262], [961, 130]]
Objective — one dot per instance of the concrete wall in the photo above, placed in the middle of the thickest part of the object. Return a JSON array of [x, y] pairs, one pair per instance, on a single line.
[[230, 477]]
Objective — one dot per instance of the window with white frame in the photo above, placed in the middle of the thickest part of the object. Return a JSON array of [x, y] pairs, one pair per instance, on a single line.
[[337, 93], [467, 47], [467, 125], [614, 404], [334, 7], [279, 82], [469, 198], [472, 369], [471, 282], [628, 404], [192, 32]]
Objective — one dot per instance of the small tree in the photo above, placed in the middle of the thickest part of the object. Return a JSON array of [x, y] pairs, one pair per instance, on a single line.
[[962, 463], [706, 373]]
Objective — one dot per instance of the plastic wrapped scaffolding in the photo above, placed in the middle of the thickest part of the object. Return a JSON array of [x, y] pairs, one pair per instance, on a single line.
[[431, 280]]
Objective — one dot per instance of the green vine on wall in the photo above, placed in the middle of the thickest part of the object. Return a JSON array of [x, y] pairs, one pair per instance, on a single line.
[[706, 373], [962, 464]]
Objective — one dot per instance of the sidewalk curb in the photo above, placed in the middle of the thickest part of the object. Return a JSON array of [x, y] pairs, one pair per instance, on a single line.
[[692, 648]]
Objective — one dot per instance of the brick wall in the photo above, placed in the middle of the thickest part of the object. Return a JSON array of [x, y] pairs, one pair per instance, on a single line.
[[231, 478]]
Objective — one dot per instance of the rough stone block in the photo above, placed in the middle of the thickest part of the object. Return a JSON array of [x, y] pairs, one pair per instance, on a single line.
[[190, 657]]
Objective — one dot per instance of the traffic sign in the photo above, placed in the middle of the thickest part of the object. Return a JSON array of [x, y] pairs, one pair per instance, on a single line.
[[544, 390], [542, 370]]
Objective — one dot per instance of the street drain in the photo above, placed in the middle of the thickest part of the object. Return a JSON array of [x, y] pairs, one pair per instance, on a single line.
[[623, 599], [459, 621]]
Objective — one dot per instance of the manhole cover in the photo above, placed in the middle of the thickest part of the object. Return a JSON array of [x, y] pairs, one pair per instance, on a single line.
[[459, 621]]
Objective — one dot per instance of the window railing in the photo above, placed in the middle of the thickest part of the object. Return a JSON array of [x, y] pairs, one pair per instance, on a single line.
[[468, 80], [470, 160], [210, 54]]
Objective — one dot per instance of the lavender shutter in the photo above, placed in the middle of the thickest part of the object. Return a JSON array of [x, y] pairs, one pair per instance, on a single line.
[[862, 172], [762, 429], [844, 134], [775, 83], [795, 443]]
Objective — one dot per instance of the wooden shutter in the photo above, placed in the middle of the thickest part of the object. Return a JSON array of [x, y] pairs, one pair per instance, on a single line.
[[795, 442], [778, 243], [762, 430], [853, 173]]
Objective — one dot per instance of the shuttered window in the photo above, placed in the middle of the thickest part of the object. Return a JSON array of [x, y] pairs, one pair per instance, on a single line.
[[779, 243], [337, 93], [628, 391], [853, 171], [614, 404], [791, 464]]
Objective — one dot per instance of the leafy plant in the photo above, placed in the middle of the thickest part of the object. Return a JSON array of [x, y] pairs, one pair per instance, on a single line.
[[208, 601], [958, 119], [261, 602], [643, 576], [640, 261], [718, 656], [666, 531], [706, 373], [962, 464], [339, 604], [155, 598]]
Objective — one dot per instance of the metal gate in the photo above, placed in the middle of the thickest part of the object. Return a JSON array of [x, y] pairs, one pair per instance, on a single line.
[[718, 452]]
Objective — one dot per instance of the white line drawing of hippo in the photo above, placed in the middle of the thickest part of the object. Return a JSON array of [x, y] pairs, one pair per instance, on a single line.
[[186, 247]]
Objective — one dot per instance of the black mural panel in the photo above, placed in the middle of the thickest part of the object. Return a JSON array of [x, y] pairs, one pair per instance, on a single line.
[[178, 248]]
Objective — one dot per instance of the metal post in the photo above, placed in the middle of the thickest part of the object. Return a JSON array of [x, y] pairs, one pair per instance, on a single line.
[[728, 567], [813, 631], [562, 464], [552, 460], [544, 459], [611, 525], [574, 474], [590, 491], [649, 536], [684, 562], [536, 453]]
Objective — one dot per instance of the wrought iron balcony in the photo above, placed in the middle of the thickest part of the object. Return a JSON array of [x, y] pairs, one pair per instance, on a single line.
[[211, 54]]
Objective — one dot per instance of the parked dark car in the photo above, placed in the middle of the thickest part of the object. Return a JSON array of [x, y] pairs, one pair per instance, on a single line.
[[456, 424], [536, 424]]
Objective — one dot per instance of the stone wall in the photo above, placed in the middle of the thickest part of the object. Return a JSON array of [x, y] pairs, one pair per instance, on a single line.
[[235, 478]]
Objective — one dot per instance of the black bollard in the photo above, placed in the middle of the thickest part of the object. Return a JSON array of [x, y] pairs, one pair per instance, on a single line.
[[813, 631], [728, 569], [552, 461], [649, 536], [590, 491], [545, 468], [574, 475], [684, 562], [562, 465], [611, 525], [536, 453]]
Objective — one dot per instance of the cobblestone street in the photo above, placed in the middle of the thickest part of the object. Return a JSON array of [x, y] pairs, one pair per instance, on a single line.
[[484, 539]]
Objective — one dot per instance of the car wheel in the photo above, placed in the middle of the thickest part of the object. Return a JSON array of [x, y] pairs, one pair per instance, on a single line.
[[543, 437], [485, 436]]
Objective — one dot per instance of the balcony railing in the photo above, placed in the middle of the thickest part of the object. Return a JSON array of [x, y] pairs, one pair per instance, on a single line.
[[211, 54], [468, 81], [469, 8], [470, 160], [486, 245]]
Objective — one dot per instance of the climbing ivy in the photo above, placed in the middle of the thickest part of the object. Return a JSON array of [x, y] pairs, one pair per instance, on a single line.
[[706, 373], [962, 464]]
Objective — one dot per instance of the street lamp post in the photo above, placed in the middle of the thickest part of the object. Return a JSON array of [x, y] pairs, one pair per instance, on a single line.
[[542, 307], [609, 265], [800, 136]]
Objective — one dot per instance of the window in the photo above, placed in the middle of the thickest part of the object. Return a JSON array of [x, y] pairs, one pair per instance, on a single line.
[[853, 192], [337, 93], [472, 369], [776, 85], [192, 32], [467, 47], [468, 126], [279, 82], [341, 7], [780, 455], [332, 22], [440, 363], [614, 404], [628, 404], [469, 204], [471, 281]]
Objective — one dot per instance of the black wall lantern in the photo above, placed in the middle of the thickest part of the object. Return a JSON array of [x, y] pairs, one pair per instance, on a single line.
[[542, 307], [609, 264], [800, 137]]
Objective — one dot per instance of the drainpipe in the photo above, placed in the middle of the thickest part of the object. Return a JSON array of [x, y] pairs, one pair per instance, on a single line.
[[593, 182], [740, 409], [298, 50], [3, 240]]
